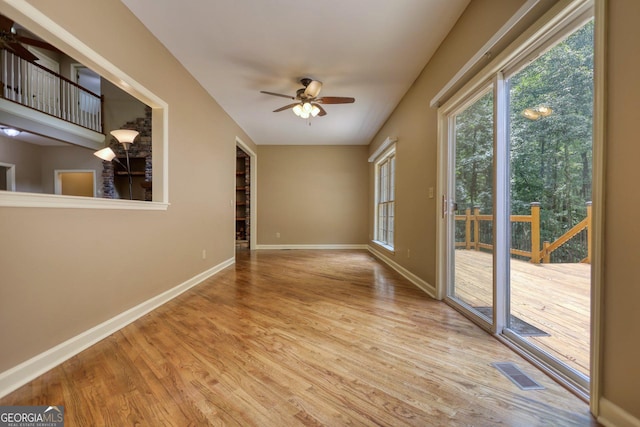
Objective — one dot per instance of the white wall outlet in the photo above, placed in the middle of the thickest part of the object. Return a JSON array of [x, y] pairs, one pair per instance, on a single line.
[[431, 192], [278, 235], [204, 254]]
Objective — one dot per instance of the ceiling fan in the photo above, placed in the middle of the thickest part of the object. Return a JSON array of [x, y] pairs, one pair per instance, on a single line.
[[307, 102], [14, 42]]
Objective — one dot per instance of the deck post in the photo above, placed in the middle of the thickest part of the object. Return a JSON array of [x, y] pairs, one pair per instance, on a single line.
[[535, 232], [589, 217], [476, 227], [546, 256], [467, 228]]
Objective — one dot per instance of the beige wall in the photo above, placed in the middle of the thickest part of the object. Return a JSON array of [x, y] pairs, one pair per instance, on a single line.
[[621, 373], [64, 271], [69, 157], [27, 158], [312, 195]]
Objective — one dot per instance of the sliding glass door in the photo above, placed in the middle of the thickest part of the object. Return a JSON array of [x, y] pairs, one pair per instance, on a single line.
[[550, 138], [472, 205], [517, 200]]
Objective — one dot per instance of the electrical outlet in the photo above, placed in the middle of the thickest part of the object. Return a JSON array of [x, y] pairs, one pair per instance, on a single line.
[[204, 254], [431, 192], [408, 253], [278, 235]]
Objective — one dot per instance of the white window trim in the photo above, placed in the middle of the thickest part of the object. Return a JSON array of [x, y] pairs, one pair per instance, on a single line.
[[47, 29], [382, 153]]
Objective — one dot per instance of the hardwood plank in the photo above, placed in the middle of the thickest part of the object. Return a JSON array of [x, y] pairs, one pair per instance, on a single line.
[[305, 338]]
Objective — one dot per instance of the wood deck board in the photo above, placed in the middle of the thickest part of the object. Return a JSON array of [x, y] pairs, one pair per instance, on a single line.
[[553, 297], [300, 338]]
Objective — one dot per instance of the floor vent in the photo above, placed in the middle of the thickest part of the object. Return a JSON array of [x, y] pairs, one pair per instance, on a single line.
[[519, 378]]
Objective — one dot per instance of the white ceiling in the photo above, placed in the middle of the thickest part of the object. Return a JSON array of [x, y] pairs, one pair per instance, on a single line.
[[372, 50]]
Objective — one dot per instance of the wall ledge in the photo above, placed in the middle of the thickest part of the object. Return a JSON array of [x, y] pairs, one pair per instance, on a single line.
[[428, 288], [612, 415], [21, 374]]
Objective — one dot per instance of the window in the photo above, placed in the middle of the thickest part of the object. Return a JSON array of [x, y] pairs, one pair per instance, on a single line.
[[385, 198]]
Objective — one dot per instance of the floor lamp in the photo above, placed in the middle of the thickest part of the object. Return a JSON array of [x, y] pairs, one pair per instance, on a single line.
[[124, 137]]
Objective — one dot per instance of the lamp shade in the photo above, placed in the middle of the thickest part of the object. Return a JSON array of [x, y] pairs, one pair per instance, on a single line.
[[105, 154], [124, 136]]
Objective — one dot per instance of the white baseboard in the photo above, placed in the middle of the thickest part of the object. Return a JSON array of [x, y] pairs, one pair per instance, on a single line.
[[611, 415], [426, 287], [21, 374], [321, 247]]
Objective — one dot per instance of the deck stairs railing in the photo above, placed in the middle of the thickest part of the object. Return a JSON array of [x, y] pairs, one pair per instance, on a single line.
[[537, 253]]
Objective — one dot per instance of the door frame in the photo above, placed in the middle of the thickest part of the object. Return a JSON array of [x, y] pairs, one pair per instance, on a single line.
[[253, 194], [10, 175], [558, 17]]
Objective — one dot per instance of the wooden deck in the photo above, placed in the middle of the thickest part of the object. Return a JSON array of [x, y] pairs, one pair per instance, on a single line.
[[553, 297]]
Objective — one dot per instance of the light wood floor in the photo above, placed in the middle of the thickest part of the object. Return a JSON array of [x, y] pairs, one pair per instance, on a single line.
[[553, 297], [287, 338]]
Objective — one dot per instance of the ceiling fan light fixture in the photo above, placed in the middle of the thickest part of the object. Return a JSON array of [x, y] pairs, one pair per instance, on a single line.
[[306, 107], [313, 89], [297, 110], [531, 114], [315, 110], [545, 110], [305, 115], [11, 131]]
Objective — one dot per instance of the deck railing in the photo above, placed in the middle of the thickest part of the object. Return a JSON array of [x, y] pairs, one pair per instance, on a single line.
[[537, 253], [37, 87]]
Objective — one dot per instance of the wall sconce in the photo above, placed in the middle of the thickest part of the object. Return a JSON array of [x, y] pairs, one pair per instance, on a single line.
[[124, 137]]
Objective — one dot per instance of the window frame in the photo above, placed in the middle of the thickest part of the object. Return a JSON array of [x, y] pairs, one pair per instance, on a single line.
[[386, 156]]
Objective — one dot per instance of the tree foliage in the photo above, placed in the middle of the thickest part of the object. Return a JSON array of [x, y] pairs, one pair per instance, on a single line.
[[550, 158]]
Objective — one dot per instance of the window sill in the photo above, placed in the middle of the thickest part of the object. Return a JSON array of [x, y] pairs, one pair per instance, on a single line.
[[384, 246], [30, 200]]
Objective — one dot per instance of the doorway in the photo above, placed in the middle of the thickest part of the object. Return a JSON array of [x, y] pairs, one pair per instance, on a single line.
[[7, 177], [243, 199], [517, 202], [75, 182]]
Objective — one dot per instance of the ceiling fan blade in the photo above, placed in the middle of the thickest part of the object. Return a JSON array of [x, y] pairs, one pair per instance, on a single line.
[[22, 52], [322, 110], [5, 24], [286, 107], [278, 94], [313, 89], [335, 100], [37, 43]]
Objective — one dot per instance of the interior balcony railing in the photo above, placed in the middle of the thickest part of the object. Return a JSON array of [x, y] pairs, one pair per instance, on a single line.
[[34, 86]]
